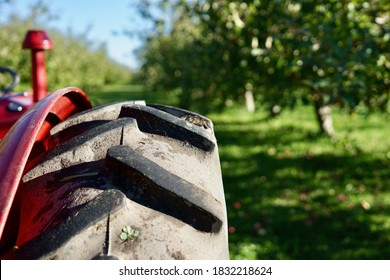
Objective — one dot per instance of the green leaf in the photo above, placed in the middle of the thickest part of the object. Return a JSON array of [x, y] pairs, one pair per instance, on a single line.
[[123, 236]]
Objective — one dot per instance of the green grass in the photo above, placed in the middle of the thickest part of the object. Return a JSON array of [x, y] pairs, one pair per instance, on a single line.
[[113, 93], [291, 194]]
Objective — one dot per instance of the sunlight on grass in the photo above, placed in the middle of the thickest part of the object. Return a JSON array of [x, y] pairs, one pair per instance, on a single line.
[[114, 93], [294, 195]]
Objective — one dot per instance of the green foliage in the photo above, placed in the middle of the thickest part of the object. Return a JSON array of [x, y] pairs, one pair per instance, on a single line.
[[335, 51], [74, 61], [81, 66]]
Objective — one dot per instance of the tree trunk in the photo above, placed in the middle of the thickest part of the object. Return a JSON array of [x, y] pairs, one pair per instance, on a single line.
[[250, 101], [324, 117]]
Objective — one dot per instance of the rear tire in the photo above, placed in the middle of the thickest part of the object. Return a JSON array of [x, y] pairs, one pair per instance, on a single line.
[[126, 181]]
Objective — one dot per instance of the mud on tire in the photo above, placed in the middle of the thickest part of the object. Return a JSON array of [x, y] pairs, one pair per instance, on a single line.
[[126, 181]]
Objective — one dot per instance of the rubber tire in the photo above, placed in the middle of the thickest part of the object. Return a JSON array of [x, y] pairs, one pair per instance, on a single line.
[[126, 181]]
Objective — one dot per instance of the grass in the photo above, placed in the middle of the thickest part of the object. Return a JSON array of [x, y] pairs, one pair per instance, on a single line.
[[293, 195], [113, 93]]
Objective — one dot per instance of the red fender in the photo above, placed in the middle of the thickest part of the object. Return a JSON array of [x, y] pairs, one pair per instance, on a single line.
[[32, 130]]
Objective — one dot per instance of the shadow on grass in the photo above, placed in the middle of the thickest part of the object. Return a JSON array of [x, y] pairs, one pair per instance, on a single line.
[[295, 204]]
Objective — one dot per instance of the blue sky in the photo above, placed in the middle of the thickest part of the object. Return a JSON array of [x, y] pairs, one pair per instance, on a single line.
[[103, 17]]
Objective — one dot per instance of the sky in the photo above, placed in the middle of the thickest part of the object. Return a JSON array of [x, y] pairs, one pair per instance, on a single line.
[[106, 20]]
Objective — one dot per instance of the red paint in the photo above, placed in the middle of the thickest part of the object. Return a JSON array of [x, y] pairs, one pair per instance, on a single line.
[[8, 117], [32, 129], [38, 41]]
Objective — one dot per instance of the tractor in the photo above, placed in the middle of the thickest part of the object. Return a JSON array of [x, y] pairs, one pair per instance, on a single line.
[[127, 180]]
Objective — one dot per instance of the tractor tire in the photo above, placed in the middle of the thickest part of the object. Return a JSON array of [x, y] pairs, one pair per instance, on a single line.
[[125, 181]]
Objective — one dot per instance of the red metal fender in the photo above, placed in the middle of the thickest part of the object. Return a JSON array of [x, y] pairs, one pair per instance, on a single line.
[[29, 137]]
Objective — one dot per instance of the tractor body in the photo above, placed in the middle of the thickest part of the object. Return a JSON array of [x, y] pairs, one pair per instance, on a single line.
[[12, 107], [24, 136]]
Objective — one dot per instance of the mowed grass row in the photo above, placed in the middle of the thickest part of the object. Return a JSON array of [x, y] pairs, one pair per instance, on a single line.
[[291, 194]]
